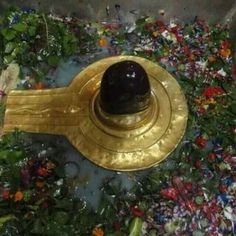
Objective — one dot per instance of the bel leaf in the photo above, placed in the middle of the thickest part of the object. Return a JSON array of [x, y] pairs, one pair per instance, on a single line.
[[9, 47], [8, 34], [20, 27]]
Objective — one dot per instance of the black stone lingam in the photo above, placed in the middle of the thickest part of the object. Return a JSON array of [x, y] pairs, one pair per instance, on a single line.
[[125, 88]]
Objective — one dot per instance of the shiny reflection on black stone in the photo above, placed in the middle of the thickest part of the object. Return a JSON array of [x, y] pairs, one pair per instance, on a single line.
[[125, 88]]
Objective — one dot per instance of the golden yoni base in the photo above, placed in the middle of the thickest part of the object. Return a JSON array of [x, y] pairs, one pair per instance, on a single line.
[[141, 141]]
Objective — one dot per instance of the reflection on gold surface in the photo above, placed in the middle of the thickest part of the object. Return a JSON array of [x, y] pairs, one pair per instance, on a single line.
[[135, 142]]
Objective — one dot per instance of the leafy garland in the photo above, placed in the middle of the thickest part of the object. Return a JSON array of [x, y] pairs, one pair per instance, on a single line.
[[193, 192]]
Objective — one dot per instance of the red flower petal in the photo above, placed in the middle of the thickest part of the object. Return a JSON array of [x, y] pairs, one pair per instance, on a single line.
[[201, 110], [213, 91], [136, 211], [160, 23], [5, 195], [234, 71], [211, 157], [201, 142], [188, 186], [198, 164], [170, 193], [225, 44], [42, 171], [191, 205]]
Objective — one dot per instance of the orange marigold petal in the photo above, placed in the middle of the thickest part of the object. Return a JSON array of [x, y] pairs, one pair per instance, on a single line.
[[103, 42], [40, 184], [225, 52], [18, 196], [98, 232]]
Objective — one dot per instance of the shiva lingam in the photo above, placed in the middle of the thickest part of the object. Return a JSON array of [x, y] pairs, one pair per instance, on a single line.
[[123, 113], [124, 96]]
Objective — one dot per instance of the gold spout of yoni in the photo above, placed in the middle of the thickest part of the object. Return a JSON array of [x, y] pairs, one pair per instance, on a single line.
[[123, 113]]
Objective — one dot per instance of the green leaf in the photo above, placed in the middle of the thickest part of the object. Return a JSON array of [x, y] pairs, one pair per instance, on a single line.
[[9, 47], [4, 154], [53, 60], [198, 233], [62, 233], [135, 227], [153, 232], [12, 156], [59, 171], [32, 30], [170, 227], [8, 34], [4, 219], [64, 204], [8, 59], [33, 19], [20, 27], [21, 74], [38, 73], [15, 156], [199, 200], [69, 43], [233, 107], [141, 21], [196, 154], [33, 207], [16, 52], [37, 227], [61, 217]]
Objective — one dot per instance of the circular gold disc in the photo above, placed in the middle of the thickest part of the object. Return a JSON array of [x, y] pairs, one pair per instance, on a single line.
[[129, 149]]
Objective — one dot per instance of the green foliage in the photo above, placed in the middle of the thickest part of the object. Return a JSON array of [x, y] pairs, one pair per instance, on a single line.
[[31, 38]]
